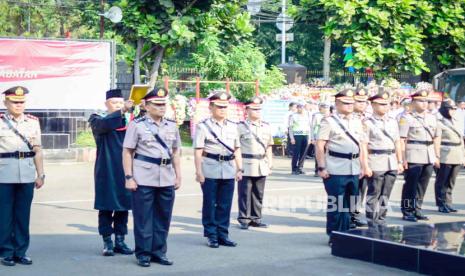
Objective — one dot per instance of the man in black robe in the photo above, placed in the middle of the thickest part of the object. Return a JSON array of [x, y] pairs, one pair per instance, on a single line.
[[111, 198]]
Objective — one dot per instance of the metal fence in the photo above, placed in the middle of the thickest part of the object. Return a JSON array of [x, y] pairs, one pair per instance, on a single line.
[[345, 76]]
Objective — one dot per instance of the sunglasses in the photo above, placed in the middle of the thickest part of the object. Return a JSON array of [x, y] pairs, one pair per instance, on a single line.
[[347, 103], [15, 102], [221, 107]]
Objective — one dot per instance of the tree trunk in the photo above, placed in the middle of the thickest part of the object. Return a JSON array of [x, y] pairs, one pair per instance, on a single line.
[[160, 51], [140, 43], [326, 59]]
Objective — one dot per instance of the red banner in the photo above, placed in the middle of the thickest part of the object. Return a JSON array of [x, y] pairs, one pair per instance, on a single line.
[[59, 74]]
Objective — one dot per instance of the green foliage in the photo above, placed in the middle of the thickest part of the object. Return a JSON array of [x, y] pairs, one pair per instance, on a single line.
[[242, 62], [85, 139], [394, 35], [164, 27]]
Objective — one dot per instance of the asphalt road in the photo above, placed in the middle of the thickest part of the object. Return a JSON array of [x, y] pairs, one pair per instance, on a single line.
[[65, 241]]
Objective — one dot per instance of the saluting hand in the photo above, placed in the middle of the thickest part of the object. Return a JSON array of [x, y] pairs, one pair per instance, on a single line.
[[128, 105], [39, 183], [131, 185]]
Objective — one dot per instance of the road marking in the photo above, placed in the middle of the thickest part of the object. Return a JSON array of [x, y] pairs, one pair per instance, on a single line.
[[180, 195]]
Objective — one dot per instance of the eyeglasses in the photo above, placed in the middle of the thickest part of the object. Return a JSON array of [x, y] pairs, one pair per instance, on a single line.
[[221, 107]]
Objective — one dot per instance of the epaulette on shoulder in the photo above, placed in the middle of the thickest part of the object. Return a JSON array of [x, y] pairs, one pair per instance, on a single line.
[[170, 120], [138, 120], [232, 122], [32, 117], [203, 121], [241, 123]]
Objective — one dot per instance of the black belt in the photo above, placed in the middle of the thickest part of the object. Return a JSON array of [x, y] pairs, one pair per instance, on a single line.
[[18, 154], [426, 143], [158, 161], [219, 157], [370, 151], [349, 156], [253, 156], [451, 144]]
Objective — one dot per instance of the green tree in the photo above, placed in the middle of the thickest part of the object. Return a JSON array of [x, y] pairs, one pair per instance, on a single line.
[[156, 29], [397, 35], [242, 62]]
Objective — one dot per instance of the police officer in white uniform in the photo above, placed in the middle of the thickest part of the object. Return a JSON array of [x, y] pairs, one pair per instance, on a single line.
[[340, 155], [21, 169], [218, 163], [384, 158], [420, 142], [257, 157], [152, 166], [451, 156]]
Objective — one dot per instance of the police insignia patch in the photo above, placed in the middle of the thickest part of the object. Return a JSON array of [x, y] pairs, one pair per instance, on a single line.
[[223, 97], [160, 93], [350, 93], [385, 96], [19, 91]]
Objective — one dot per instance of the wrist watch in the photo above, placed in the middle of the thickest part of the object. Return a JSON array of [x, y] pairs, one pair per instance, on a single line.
[[128, 177], [42, 176], [240, 170], [320, 169]]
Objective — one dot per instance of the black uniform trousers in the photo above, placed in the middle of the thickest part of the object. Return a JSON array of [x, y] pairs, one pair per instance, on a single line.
[[110, 222], [416, 177], [445, 182], [15, 212], [250, 191], [152, 208], [300, 148], [360, 199], [216, 208], [341, 190], [379, 190]]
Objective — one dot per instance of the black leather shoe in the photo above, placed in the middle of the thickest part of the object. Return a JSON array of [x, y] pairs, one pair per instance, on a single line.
[[108, 246], [23, 260], [161, 260], [244, 226], [452, 210], [443, 209], [143, 261], [409, 217], [121, 247], [212, 243], [259, 224], [8, 261], [227, 242], [420, 216]]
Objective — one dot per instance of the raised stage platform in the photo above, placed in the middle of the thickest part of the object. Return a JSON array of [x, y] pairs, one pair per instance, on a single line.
[[435, 249]]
